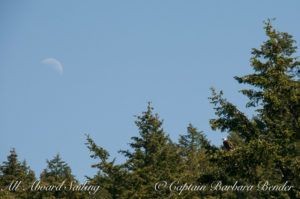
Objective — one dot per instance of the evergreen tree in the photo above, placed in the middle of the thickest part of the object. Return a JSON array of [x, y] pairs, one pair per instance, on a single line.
[[110, 177], [12, 172], [270, 140], [57, 173], [154, 158], [195, 150]]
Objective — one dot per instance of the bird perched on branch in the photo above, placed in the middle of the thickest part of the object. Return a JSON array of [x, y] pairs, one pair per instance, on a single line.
[[227, 144]]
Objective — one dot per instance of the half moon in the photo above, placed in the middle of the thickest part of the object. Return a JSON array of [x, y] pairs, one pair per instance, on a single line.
[[55, 64]]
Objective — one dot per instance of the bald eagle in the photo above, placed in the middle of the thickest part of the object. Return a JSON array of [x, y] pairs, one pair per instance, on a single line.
[[227, 144]]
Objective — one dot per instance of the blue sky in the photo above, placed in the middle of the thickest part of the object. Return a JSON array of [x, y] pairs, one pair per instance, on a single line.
[[109, 58]]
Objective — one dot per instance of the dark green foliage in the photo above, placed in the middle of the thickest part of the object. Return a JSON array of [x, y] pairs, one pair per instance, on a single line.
[[111, 177], [269, 142], [13, 171], [57, 171], [154, 158]]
